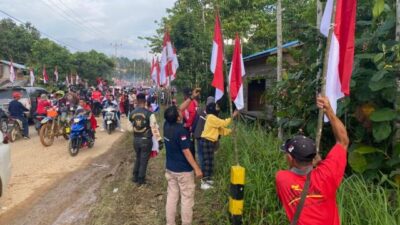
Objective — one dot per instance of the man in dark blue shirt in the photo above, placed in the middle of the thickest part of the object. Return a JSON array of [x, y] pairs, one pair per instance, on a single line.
[[179, 168], [17, 111]]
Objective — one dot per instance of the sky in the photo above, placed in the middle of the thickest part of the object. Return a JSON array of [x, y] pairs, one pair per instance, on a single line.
[[93, 24]]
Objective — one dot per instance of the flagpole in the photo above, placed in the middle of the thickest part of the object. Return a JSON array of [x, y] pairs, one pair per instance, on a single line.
[[323, 79]]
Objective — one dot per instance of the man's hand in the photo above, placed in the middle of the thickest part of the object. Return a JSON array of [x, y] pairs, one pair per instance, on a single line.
[[323, 103], [198, 173], [235, 114]]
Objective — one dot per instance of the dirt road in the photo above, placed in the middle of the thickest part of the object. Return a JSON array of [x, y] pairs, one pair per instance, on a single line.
[[38, 172]]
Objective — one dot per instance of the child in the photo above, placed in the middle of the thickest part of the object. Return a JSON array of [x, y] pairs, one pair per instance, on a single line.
[[213, 128]]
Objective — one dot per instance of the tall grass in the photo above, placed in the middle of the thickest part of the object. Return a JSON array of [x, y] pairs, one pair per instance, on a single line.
[[359, 202]]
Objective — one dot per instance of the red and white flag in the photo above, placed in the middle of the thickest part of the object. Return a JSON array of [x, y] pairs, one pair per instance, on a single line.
[[45, 77], [174, 65], [166, 58], [235, 75], [56, 74], [32, 76], [77, 79], [341, 51], [12, 72], [217, 60], [67, 83]]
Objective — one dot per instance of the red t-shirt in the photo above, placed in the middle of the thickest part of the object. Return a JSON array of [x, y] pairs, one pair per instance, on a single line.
[[96, 96], [320, 206], [189, 114], [41, 106]]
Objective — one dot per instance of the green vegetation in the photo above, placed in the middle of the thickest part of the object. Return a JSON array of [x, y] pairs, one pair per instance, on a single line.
[[360, 201], [23, 44]]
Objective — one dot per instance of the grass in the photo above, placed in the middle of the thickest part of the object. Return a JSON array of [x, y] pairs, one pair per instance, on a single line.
[[359, 202]]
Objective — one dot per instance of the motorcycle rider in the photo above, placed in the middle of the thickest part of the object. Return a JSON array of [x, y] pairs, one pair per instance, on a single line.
[[111, 102], [92, 123], [43, 104], [144, 128], [17, 111]]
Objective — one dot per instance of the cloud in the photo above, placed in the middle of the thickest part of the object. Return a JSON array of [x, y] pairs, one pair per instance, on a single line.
[[94, 24]]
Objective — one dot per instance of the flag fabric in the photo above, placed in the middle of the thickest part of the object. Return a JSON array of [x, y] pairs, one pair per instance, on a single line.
[[341, 51], [166, 59], [158, 71], [77, 79], [217, 61], [236, 73], [153, 71], [56, 74], [12, 72], [174, 65], [45, 77], [32, 77]]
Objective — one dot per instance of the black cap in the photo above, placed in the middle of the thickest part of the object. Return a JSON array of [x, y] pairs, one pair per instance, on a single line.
[[300, 148], [141, 96]]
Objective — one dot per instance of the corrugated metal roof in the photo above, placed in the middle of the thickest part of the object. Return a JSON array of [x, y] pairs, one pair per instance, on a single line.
[[16, 65], [271, 51]]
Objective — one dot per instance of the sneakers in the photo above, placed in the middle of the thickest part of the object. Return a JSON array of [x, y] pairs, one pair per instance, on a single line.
[[206, 184]]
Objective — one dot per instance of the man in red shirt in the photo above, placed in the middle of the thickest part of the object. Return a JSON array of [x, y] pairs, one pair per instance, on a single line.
[[320, 204]]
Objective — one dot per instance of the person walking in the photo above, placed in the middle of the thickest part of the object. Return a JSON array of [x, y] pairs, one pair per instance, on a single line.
[[144, 127], [17, 111], [213, 129], [319, 184], [179, 168]]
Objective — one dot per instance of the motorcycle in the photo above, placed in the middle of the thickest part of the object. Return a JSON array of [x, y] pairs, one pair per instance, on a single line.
[[14, 129], [110, 118], [79, 137], [54, 125], [38, 122], [97, 107], [3, 121]]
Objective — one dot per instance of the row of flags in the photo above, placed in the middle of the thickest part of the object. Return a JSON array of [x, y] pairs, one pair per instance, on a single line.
[[164, 71], [68, 79], [340, 61]]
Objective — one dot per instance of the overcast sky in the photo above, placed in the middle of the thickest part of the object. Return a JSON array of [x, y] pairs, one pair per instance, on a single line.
[[93, 24]]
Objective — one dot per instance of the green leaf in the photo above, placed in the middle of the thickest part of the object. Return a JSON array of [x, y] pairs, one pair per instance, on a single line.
[[365, 150], [381, 84], [378, 57], [384, 114], [379, 75], [381, 131], [357, 162], [378, 8]]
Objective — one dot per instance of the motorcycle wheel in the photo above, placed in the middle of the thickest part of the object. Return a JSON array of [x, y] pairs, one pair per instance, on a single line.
[[3, 125], [73, 147], [109, 128], [45, 135], [14, 132]]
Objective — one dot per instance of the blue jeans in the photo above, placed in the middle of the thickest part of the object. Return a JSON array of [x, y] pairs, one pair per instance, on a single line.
[[200, 154], [25, 125]]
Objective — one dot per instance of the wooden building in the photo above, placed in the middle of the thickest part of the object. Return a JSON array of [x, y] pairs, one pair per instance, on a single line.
[[261, 77], [20, 78]]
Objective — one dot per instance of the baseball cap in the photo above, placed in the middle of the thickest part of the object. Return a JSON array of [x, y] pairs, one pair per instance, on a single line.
[[301, 148]]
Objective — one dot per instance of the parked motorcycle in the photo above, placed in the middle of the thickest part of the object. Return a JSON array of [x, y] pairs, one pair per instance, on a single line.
[[110, 118], [54, 125], [14, 129], [79, 137], [3, 121]]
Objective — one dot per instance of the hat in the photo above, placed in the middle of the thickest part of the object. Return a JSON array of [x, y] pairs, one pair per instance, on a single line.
[[210, 99], [300, 148]]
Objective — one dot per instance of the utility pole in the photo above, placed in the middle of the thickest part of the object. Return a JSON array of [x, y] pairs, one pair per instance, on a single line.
[[279, 52]]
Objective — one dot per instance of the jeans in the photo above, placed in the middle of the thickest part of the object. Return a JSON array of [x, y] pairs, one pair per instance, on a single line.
[[25, 125], [142, 148], [180, 185]]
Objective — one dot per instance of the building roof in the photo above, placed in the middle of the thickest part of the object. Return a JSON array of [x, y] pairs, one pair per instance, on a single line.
[[16, 65], [271, 51]]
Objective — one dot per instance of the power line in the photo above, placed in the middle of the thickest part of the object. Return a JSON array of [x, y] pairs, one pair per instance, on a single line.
[[41, 32], [56, 9], [77, 16]]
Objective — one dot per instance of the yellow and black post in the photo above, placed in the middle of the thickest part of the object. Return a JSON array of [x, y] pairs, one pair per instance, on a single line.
[[236, 194]]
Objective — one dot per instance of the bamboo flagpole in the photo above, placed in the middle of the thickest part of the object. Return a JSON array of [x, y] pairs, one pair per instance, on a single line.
[[323, 78]]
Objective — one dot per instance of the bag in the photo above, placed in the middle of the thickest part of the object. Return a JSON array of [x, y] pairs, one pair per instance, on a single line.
[[300, 206]]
